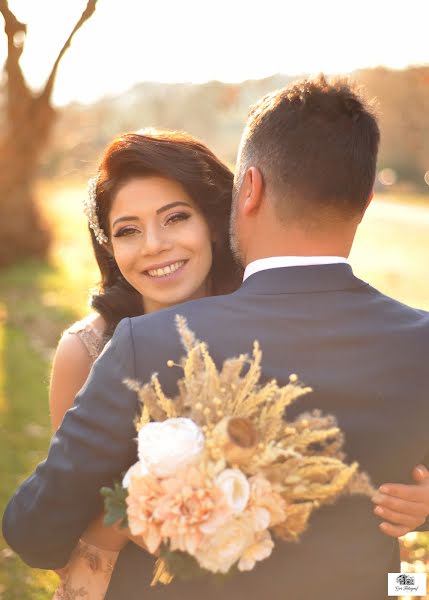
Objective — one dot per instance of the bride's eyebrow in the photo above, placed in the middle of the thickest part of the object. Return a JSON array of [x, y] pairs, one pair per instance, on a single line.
[[172, 205], [158, 212], [126, 218]]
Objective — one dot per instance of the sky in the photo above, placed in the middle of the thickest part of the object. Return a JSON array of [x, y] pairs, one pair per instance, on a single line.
[[130, 41]]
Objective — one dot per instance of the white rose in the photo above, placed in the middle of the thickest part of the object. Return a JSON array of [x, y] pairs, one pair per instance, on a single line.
[[137, 468], [236, 488], [170, 445]]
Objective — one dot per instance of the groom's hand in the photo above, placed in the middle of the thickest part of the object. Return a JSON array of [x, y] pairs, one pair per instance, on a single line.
[[403, 508]]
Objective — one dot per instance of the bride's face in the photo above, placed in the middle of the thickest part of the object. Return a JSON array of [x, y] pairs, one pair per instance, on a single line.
[[161, 241]]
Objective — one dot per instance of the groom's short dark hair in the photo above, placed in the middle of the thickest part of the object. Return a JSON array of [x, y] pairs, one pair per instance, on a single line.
[[316, 144]]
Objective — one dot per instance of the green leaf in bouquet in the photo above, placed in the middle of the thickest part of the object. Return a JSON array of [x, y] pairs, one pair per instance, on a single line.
[[181, 565], [186, 568], [115, 505]]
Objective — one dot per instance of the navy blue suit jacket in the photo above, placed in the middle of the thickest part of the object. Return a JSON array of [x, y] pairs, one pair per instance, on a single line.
[[364, 354]]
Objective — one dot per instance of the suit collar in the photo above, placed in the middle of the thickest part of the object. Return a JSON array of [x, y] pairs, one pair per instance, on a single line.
[[277, 262], [302, 279]]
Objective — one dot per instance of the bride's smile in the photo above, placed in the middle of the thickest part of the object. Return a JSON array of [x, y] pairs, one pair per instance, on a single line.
[[165, 270]]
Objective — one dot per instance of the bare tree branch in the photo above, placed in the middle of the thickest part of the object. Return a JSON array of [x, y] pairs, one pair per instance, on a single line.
[[11, 23], [15, 46], [18, 92], [87, 14]]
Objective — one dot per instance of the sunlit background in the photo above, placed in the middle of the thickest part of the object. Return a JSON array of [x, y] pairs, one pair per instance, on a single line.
[[197, 66], [130, 41]]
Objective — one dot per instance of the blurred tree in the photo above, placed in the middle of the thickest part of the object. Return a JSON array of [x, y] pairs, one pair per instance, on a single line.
[[29, 120], [403, 98]]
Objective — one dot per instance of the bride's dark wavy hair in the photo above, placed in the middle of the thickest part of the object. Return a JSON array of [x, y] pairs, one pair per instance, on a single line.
[[182, 158]]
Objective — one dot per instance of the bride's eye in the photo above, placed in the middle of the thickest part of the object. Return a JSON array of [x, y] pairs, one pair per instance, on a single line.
[[125, 231], [177, 217]]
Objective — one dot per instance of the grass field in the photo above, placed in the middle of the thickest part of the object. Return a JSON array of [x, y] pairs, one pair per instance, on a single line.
[[38, 300]]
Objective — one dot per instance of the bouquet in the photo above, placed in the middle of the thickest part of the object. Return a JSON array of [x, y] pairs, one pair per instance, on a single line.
[[221, 472]]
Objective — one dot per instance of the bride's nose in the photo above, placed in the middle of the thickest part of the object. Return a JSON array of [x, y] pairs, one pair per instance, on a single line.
[[157, 240]]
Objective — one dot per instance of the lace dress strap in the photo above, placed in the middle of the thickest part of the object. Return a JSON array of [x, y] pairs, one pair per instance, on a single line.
[[90, 336]]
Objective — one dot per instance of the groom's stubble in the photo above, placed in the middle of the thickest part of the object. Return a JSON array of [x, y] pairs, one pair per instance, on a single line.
[[234, 237], [233, 226]]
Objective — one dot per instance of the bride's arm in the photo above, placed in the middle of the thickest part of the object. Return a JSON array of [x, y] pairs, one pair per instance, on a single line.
[[70, 370], [93, 559]]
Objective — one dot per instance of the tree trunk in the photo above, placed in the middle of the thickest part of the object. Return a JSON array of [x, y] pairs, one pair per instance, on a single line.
[[22, 233], [30, 118]]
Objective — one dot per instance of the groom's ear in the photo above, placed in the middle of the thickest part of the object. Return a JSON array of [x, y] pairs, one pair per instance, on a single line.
[[252, 191]]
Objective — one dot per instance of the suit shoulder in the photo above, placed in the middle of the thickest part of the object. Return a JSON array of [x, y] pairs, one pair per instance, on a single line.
[[158, 331], [394, 306], [192, 310], [405, 327]]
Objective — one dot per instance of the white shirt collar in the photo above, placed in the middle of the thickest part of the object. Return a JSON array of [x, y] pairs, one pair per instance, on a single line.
[[277, 262]]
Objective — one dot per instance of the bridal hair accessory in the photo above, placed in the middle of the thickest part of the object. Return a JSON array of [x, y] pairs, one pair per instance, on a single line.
[[222, 472], [90, 210]]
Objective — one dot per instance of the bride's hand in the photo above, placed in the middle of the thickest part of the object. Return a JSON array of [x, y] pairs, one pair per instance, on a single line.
[[402, 507], [103, 537], [62, 573], [136, 539]]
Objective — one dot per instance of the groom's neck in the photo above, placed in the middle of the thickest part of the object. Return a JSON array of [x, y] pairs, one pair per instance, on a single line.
[[297, 241]]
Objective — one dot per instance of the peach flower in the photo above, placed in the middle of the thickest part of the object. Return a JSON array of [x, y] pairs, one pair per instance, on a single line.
[[182, 509], [190, 509], [144, 493], [267, 506]]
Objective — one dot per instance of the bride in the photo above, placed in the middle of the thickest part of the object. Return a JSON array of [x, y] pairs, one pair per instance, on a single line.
[[158, 211]]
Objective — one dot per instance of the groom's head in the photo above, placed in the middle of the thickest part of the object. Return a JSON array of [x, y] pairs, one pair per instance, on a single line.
[[305, 171]]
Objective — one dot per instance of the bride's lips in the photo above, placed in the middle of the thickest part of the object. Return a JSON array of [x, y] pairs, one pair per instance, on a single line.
[[166, 271]]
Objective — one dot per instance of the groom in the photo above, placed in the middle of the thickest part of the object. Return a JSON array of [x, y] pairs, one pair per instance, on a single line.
[[305, 174]]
